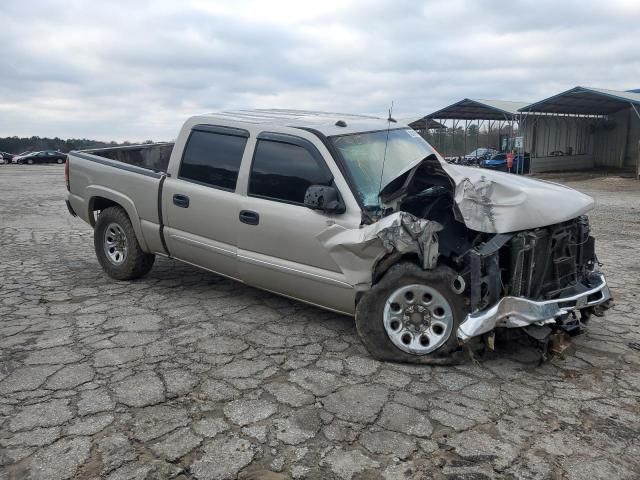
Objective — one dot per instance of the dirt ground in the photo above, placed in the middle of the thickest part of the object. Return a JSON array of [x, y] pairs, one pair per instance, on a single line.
[[186, 374]]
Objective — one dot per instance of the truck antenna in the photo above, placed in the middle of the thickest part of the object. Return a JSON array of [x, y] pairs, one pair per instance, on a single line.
[[386, 142]]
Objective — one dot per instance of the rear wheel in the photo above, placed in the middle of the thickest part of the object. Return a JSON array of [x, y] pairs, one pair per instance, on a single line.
[[30, 161], [412, 315], [117, 247], [59, 161]]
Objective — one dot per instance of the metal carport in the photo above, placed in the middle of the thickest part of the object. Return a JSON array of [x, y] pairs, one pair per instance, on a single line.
[[422, 124], [584, 127], [501, 116]]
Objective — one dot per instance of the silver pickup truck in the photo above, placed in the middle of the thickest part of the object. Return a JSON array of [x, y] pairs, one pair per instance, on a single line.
[[355, 214]]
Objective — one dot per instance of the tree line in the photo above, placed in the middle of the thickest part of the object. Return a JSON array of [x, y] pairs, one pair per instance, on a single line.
[[17, 145], [458, 141]]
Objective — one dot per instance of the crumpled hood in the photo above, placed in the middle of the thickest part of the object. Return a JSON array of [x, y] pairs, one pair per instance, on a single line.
[[497, 202]]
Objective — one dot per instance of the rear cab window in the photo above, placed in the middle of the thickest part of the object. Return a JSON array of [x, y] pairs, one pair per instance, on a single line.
[[284, 166], [212, 156]]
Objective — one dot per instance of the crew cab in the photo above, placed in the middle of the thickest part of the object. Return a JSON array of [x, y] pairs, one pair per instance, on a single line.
[[355, 214]]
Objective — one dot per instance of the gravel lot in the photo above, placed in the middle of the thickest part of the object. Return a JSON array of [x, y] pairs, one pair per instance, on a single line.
[[185, 374]]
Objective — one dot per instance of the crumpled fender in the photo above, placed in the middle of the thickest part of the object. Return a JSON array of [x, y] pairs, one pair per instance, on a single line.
[[357, 251]]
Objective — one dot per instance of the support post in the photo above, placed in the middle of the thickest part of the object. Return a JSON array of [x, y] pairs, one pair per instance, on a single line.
[[638, 157], [466, 124]]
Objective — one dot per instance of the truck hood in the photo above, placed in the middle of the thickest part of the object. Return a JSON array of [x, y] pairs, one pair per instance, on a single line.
[[495, 202]]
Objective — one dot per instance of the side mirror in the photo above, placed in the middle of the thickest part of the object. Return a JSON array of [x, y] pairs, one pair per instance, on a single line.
[[320, 197]]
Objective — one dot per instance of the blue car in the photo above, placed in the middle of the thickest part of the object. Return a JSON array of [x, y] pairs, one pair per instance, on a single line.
[[499, 162]]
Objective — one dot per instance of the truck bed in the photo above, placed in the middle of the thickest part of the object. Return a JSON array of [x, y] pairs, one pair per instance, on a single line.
[[153, 156], [128, 176]]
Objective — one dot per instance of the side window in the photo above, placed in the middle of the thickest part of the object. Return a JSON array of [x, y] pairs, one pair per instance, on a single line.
[[212, 158], [283, 171]]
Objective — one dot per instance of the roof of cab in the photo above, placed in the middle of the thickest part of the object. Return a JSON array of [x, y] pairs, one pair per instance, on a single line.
[[324, 122]]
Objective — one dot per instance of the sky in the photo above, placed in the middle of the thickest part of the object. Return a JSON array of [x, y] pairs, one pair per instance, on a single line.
[[135, 70]]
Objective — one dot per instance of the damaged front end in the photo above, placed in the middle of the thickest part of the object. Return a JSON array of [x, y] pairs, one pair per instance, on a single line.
[[542, 277], [522, 248]]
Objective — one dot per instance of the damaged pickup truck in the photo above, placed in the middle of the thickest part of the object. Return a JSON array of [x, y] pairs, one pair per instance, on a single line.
[[355, 214]]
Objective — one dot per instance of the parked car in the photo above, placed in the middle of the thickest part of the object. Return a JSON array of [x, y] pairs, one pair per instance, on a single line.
[[291, 202], [6, 156], [46, 156], [2, 160], [495, 162], [15, 158], [479, 154], [499, 162]]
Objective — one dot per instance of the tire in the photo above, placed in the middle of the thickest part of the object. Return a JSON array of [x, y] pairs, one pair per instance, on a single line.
[[59, 161], [403, 279], [114, 233], [29, 162]]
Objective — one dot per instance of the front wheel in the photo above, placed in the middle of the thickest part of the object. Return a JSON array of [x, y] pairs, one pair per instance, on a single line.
[[117, 246], [412, 315], [59, 161], [29, 162]]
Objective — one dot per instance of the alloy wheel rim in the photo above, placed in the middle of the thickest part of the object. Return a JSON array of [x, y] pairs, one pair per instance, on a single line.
[[418, 319], [115, 244]]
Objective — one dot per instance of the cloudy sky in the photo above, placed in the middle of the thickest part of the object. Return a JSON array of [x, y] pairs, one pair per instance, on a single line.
[[134, 69]]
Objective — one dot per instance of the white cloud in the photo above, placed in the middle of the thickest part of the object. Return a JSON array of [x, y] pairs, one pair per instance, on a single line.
[[135, 70]]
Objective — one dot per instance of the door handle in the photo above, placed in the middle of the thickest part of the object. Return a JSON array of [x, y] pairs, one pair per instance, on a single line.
[[181, 201], [249, 217]]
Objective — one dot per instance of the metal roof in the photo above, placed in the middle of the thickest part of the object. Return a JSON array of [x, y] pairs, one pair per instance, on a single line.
[[585, 101], [324, 122], [470, 109], [421, 123]]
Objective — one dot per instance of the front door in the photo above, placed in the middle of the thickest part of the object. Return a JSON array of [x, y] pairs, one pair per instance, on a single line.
[[277, 245]]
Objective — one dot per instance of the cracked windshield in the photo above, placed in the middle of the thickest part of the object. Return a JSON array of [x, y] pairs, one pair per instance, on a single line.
[[364, 155]]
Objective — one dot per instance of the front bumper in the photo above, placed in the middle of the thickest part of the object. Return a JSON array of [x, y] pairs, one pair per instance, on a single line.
[[513, 312]]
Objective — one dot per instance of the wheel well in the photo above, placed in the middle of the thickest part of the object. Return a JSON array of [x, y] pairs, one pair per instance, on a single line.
[[385, 264], [99, 203], [389, 261]]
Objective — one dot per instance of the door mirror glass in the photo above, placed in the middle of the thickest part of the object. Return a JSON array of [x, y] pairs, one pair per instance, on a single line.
[[321, 197]]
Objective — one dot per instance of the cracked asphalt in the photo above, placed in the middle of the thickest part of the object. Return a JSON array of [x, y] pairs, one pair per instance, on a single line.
[[184, 374]]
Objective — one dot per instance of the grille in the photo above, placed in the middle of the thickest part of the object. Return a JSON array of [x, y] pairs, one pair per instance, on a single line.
[[545, 262]]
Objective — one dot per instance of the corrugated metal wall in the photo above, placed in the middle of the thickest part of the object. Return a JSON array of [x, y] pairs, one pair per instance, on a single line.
[[610, 141], [546, 134], [631, 157], [586, 142], [560, 164], [569, 135]]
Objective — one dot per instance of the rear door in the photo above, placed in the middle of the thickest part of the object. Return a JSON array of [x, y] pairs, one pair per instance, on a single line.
[[200, 206], [277, 245]]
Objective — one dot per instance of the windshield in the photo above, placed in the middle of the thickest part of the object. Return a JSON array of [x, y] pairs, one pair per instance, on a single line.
[[364, 154]]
